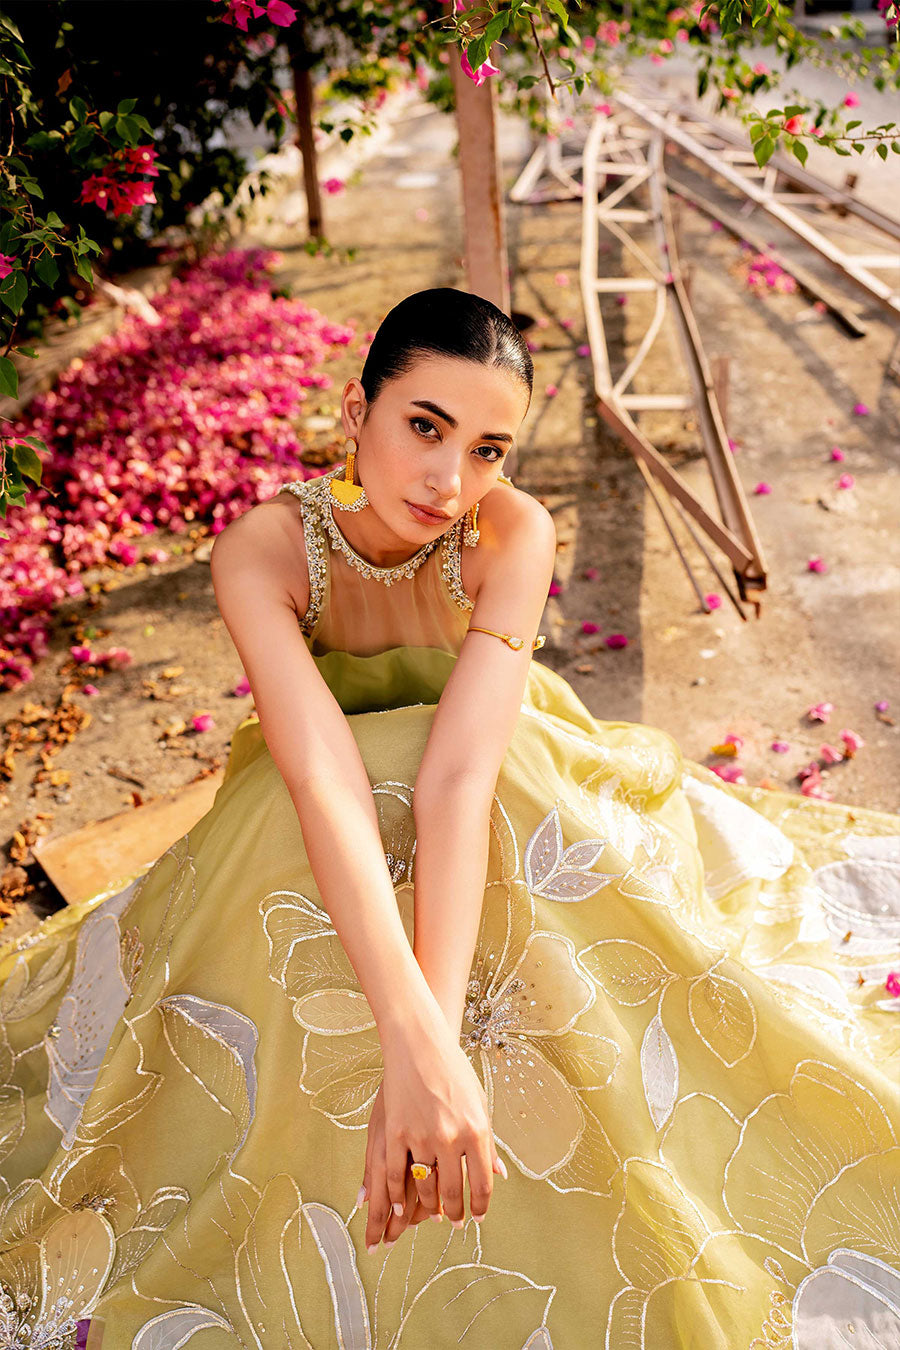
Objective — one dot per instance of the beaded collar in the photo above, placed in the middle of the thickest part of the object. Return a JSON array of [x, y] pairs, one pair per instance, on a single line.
[[388, 575]]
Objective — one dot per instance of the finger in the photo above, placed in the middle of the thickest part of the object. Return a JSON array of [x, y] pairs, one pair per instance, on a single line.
[[450, 1180], [396, 1156], [398, 1222], [427, 1190], [480, 1176], [379, 1201]]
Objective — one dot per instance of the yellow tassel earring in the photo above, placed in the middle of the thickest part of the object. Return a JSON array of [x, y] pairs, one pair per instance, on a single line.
[[471, 533], [347, 495]]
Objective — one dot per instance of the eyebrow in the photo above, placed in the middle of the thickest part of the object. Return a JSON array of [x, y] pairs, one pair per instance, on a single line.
[[439, 412]]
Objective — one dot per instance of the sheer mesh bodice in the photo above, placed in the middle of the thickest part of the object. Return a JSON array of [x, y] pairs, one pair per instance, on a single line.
[[358, 614]]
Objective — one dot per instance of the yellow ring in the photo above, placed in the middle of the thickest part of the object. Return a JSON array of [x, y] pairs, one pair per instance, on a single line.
[[421, 1170]]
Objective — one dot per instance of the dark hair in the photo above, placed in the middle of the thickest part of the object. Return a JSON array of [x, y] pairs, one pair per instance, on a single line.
[[444, 322]]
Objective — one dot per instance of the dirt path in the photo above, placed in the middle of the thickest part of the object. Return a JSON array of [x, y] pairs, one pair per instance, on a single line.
[[794, 381]]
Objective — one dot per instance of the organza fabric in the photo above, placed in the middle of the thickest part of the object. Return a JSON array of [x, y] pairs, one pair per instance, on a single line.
[[696, 1099]]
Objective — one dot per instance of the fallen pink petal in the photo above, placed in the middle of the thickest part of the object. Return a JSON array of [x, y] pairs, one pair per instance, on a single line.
[[730, 773], [816, 564], [762, 489], [591, 573], [852, 740], [590, 627], [892, 983], [846, 480], [616, 640], [781, 747], [584, 349], [90, 689], [837, 453], [861, 409], [242, 687], [551, 391], [202, 722], [882, 705], [713, 600], [561, 279], [820, 712], [830, 754], [555, 588]]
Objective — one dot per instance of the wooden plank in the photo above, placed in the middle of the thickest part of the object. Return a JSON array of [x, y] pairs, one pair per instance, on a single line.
[[121, 847]]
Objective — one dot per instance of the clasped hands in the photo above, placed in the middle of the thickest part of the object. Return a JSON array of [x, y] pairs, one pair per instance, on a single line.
[[430, 1105]]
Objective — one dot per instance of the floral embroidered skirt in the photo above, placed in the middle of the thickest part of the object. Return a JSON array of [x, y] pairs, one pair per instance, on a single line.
[[677, 1007]]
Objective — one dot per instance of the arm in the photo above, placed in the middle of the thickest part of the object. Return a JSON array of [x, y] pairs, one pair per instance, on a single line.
[[469, 736], [313, 747]]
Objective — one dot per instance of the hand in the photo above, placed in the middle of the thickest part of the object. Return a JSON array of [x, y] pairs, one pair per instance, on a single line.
[[434, 1107], [380, 1206]]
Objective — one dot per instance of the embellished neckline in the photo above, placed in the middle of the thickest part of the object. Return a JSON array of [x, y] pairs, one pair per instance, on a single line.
[[387, 575]]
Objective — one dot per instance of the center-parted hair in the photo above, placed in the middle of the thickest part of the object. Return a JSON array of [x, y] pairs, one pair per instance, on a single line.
[[443, 321]]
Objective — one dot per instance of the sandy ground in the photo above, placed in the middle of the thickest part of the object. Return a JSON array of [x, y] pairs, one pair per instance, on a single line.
[[794, 380]]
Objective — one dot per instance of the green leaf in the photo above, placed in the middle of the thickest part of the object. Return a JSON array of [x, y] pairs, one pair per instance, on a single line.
[[28, 462], [800, 151], [47, 271], [882, 150], [559, 10], [763, 150], [106, 120], [83, 268], [13, 296], [476, 51], [32, 188], [9, 378], [78, 108], [758, 130], [496, 27], [26, 351], [125, 106], [54, 220], [851, 125]]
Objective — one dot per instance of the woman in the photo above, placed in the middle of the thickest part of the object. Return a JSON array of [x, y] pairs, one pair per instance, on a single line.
[[447, 946]]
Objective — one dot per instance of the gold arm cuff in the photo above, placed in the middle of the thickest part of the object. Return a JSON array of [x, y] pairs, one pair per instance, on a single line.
[[516, 643]]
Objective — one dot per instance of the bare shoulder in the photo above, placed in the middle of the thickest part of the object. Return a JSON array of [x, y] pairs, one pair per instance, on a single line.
[[268, 540], [509, 521]]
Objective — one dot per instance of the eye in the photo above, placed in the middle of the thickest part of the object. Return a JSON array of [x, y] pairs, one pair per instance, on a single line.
[[498, 453]]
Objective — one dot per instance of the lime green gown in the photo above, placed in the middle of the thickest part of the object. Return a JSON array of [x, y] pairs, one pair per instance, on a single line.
[[677, 1007]]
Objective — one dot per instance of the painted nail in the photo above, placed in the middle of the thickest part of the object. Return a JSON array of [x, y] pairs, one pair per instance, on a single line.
[[478, 1217], [391, 1243], [398, 1208], [501, 1168], [436, 1218], [360, 1196], [370, 1248], [457, 1223]]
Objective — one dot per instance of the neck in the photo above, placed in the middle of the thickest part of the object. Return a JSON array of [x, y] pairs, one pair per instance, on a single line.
[[367, 536]]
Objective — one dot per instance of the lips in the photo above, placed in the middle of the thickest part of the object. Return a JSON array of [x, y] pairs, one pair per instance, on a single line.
[[436, 515]]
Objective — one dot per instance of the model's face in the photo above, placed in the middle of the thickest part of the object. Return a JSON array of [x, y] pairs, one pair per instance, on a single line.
[[437, 436]]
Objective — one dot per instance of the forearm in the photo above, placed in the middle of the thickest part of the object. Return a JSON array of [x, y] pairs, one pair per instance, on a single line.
[[452, 840], [340, 830]]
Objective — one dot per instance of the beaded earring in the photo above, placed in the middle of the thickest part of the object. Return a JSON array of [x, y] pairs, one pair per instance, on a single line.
[[471, 533], [345, 494]]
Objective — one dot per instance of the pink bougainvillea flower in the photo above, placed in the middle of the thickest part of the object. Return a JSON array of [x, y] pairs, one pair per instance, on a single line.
[[837, 453], [603, 108], [861, 409], [281, 14], [561, 279], [846, 480], [584, 349], [83, 655], [589, 43], [761, 68], [616, 640], [551, 391], [713, 600], [793, 125], [851, 101], [733, 446], [814, 787], [762, 489], [237, 12], [820, 712], [6, 262], [811, 770], [90, 689], [657, 59], [781, 747], [333, 185], [621, 299], [729, 773], [566, 323], [666, 45], [892, 983], [555, 588], [729, 92], [830, 754], [733, 739], [882, 705], [590, 627], [481, 74], [242, 687], [668, 278], [591, 573], [852, 741], [202, 722], [116, 657], [816, 564]]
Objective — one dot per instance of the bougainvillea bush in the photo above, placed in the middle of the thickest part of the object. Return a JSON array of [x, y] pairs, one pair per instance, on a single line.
[[187, 421]]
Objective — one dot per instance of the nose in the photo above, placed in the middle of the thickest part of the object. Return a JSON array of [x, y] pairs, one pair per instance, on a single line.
[[444, 477]]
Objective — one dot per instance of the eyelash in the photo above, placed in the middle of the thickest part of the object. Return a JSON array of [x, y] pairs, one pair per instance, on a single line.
[[429, 423]]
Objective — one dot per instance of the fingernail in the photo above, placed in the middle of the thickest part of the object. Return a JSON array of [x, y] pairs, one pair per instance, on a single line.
[[371, 1248], [360, 1196], [391, 1243], [398, 1208], [457, 1223], [501, 1168], [478, 1217], [436, 1218]]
